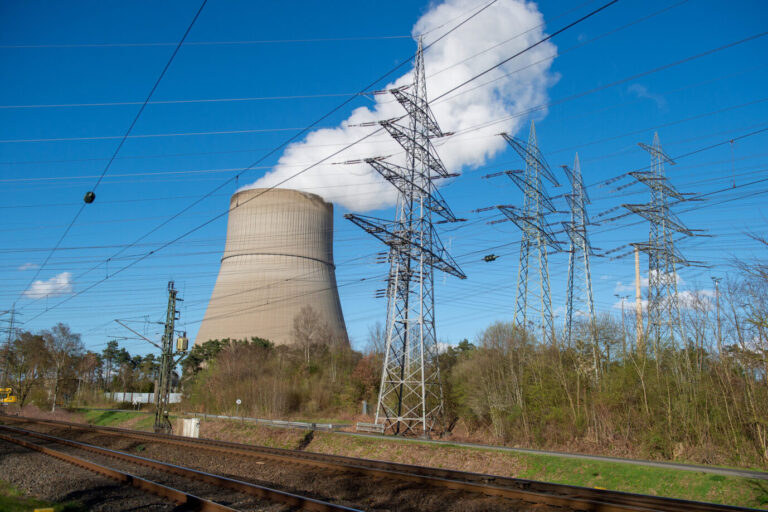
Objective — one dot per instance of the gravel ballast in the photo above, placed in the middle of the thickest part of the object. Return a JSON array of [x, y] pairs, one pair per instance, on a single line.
[[54, 480], [340, 487]]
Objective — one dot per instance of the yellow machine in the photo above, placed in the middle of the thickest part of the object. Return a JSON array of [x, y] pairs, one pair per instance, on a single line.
[[7, 397]]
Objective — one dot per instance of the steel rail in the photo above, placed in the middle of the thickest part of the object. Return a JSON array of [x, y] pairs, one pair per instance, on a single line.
[[574, 497], [190, 501], [293, 500]]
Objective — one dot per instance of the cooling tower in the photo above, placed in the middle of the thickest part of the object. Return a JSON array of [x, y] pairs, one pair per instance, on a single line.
[[278, 259]]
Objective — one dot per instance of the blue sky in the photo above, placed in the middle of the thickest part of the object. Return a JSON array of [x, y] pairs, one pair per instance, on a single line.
[[95, 52]]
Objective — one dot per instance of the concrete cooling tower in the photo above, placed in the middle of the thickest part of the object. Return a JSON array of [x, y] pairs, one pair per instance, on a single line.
[[278, 259]]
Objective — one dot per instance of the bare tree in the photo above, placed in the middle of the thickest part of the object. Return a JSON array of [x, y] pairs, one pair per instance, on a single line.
[[27, 362], [377, 339], [308, 330], [63, 347]]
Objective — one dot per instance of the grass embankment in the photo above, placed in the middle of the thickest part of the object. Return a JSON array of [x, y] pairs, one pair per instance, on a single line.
[[125, 419], [690, 485], [14, 500]]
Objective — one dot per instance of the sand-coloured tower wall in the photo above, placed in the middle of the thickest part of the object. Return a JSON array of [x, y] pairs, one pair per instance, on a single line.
[[278, 259]]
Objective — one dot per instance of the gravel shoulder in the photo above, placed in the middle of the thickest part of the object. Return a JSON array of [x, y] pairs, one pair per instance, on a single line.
[[357, 491], [53, 480]]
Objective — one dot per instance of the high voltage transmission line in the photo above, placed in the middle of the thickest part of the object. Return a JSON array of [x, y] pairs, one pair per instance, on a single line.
[[579, 297], [533, 297], [233, 179], [664, 323], [410, 394]]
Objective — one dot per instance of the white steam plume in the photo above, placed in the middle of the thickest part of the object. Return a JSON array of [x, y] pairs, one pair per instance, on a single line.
[[360, 188]]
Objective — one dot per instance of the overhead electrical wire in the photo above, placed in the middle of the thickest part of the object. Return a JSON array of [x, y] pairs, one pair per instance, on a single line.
[[204, 43], [200, 226], [117, 150]]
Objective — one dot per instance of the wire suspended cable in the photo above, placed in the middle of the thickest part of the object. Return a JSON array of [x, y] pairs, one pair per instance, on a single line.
[[200, 226], [117, 150]]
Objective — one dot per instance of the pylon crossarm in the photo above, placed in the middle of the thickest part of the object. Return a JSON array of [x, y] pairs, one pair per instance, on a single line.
[[657, 152], [658, 183], [659, 215], [414, 106], [437, 258], [661, 252], [422, 152], [531, 153], [527, 223], [398, 176], [519, 179]]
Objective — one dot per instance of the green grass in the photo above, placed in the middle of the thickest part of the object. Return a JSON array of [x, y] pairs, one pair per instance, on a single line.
[[688, 485], [691, 485], [110, 418], [14, 500], [118, 418]]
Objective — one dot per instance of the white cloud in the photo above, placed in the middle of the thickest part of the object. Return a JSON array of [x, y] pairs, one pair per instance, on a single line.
[[630, 305], [623, 288], [359, 187], [699, 299], [61, 284], [642, 91], [28, 266], [686, 299]]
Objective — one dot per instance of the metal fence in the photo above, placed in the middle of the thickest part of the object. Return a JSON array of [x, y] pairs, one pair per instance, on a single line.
[[274, 423], [139, 398]]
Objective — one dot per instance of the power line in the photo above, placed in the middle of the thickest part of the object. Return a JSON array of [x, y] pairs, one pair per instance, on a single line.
[[176, 102], [204, 43], [275, 149], [200, 226], [117, 150]]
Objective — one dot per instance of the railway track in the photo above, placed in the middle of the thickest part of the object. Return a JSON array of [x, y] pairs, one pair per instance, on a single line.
[[169, 480], [526, 491]]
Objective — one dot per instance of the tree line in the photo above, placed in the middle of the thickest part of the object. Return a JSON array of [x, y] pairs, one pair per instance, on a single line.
[[700, 395], [52, 368]]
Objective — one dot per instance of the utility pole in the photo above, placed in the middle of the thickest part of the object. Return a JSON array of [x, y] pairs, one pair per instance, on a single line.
[[622, 298], [9, 339], [639, 334], [411, 393], [162, 393], [716, 280]]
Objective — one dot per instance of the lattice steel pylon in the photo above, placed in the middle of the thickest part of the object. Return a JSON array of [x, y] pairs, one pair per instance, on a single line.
[[579, 299], [663, 257], [537, 235], [410, 394]]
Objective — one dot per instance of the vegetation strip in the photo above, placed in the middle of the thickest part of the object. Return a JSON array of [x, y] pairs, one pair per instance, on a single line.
[[741, 473], [333, 428], [190, 500], [580, 498], [293, 500]]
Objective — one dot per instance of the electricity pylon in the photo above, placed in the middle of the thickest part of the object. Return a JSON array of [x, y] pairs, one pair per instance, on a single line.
[[579, 294], [663, 257], [537, 235], [410, 394], [162, 394], [11, 335]]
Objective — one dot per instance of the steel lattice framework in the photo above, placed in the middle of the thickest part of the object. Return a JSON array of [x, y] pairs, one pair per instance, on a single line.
[[537, 235], [579, 294], [410, 395], [663, 257]]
